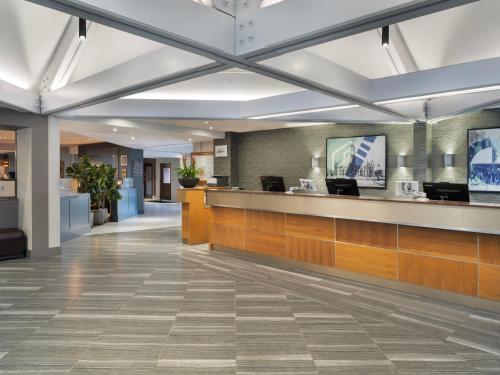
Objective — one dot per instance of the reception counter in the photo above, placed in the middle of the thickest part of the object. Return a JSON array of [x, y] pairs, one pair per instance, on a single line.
[[447, 250]]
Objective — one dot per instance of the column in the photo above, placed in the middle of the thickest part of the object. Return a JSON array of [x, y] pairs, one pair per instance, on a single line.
[[38, 154], [422, 149]]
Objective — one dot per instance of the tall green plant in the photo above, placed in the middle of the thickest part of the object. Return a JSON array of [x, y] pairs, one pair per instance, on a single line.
[[106, 187], [188, 171], [97, 180]]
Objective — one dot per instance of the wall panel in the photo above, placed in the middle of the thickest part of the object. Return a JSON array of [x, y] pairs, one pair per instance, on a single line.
[[445, 274], [438, 242], [367, 260]]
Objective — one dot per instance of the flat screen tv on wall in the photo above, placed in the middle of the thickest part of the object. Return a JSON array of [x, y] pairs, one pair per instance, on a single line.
[[483, 158], [363, 158]]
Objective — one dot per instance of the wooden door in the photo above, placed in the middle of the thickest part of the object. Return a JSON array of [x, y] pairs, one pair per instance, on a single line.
[[149, 178], [165, 181]]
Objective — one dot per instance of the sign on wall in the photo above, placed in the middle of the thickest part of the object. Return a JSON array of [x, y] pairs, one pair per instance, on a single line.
[[484, 159], [221, 151], [360, 158]]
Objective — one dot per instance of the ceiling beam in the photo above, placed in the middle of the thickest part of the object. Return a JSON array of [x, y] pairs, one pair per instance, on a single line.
[[439, 108], [14, 97], [295, 24], [426, 83], [397, 54], [170, 29], [65, 58], [172, 109], [160, 20], [312, 72], [293, 102], [155, 69]]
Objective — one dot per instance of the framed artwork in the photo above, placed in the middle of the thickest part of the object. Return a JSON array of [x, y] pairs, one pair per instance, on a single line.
[[362, 158], [123, 160], [483, 160], [220, 151]]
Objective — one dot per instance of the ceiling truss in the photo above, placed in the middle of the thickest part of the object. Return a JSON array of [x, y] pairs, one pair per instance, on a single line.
[[244, 38]]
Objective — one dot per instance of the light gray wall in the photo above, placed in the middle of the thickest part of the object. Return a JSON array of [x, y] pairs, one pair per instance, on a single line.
[[450, 136], [288, 153], [175, 163]]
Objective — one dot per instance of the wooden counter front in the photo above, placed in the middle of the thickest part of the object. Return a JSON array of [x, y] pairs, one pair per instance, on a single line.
[[195, 216], [464, 262]]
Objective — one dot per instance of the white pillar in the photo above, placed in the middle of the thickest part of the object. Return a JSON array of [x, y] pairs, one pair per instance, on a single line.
[[54, 160], [23, 177], [38, 154]]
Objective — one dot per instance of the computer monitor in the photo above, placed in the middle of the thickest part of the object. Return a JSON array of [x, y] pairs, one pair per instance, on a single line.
[[342, 186], [272, 183], [446, 191]]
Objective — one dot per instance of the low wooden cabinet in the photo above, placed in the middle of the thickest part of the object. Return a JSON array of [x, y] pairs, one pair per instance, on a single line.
[[195, 216]]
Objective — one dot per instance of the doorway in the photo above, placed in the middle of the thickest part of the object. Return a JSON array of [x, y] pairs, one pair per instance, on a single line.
[[165, 182], [149, 178]]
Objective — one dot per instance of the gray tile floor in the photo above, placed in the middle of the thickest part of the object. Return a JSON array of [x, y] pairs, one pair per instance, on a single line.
[[142, 303]]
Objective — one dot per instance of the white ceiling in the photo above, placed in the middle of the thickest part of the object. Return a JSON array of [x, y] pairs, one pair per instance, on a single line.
[[107, 47], [30, 33], [462, 34], [28, 36], [231, 85]]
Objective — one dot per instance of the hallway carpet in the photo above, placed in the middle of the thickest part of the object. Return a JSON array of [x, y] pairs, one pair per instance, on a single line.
[[143, 303]]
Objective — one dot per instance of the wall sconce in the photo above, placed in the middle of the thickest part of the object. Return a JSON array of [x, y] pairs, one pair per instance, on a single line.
[[315, 162], [448, 160], [401, 162]]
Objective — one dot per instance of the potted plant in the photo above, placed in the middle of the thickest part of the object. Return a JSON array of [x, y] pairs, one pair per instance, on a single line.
[[99, 181], [83, 173], [106, 189], [188, 175]]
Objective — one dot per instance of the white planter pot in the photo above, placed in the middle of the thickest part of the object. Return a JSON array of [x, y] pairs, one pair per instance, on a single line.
[[100, 216]]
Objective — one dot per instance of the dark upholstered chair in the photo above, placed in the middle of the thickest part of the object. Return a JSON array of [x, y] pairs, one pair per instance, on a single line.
[[12, 243]]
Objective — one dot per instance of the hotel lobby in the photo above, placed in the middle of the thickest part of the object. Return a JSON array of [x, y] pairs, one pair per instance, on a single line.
[[252, 187]]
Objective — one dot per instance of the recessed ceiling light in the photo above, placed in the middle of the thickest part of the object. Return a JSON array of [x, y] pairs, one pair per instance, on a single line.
[[206, 122], [210, 127], [189, 139], [115, 130], [132, 138]]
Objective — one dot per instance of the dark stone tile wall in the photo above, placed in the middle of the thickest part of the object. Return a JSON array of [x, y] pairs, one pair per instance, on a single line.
[[288, 153]]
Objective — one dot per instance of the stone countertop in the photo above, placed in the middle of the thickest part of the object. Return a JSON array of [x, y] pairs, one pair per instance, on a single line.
[[368, 198]]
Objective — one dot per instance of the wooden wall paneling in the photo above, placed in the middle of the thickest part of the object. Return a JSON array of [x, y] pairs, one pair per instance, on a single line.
[[367, 260], [228, 236], [489, 282], [185, 221], [310, 226], [439, 242], [439, 273], [310, 250], [489, 249], [366, 233], [265, 242], [228, 216], [264, 221]]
